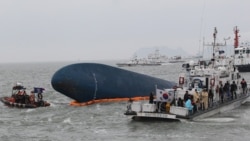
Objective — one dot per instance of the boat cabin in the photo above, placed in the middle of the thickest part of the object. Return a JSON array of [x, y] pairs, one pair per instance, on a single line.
[[242, 54]]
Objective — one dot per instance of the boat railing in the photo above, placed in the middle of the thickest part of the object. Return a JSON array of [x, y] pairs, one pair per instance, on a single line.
[[227, 100]]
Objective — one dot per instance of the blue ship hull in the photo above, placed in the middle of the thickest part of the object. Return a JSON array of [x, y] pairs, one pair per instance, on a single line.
[[84, 82]]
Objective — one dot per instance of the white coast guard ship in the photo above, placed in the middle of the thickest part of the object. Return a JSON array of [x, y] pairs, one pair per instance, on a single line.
[[200, 76], [241, 53]]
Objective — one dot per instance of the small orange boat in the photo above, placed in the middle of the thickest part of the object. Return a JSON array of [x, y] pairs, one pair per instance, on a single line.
[[20, 99]]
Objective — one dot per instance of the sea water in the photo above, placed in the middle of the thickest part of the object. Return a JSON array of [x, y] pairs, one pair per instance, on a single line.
[[106, 121]]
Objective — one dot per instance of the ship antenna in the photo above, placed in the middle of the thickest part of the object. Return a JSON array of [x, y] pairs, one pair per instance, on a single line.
[[95, 86]]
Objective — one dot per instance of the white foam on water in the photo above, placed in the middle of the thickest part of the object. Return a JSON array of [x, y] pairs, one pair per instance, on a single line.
[[100, 131], [49, 119], [220, 120], [67, 120], [29, 110]]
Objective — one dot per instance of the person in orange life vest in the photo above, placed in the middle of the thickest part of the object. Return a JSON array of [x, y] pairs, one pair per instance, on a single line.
[[197, 100]]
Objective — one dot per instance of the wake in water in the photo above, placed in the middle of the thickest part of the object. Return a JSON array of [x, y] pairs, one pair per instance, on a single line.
[[217, 119]]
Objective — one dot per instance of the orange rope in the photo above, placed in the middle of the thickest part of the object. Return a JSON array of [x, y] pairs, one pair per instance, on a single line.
[[75, 103]]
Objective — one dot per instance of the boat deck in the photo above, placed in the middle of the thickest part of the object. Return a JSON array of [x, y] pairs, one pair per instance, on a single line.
[[215, 109]]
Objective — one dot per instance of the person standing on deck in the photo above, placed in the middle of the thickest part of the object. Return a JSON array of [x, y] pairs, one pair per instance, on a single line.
[[210, 97], [180, 102], [151, 98], [221, 93], [189, 106], [129, 105], [243, 85], [226, 89], [217, 94], [233, 89], [186, 96], [197, 99], [204, 95]]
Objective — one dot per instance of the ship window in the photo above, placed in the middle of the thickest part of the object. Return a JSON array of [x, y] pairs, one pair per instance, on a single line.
[[197, 83], [248, 51], [236, 52], [244, 51]]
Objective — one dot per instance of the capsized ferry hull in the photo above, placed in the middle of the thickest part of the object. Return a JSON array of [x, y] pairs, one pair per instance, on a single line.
[[85, 82]]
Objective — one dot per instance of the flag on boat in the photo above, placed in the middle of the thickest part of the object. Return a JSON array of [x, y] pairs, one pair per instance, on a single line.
[[164, 95], [38, 90]]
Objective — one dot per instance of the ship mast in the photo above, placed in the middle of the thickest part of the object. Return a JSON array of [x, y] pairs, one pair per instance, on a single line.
[[214, 45], [236, 38], [214, 35]]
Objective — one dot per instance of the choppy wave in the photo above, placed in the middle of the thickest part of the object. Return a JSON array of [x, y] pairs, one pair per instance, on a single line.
[[220, 120]]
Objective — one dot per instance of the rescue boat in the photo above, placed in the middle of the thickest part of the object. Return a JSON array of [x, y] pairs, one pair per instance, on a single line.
[[9, 102], [19, 98]]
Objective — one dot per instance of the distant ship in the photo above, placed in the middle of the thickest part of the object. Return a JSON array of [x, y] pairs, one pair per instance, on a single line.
[[176, 59], [89, 83], [241, 54], [154, 59], [138, 62]]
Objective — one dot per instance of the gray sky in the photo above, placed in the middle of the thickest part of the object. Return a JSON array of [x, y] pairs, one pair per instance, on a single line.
[[70, 30]]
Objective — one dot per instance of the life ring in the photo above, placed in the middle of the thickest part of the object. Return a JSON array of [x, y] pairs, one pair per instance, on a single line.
[[212, 81], [181, 80]]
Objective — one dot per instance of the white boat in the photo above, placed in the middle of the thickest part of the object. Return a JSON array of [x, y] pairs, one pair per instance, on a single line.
[[196, 80], [154, 59], [176, 59], [138, 62], [241, 53]]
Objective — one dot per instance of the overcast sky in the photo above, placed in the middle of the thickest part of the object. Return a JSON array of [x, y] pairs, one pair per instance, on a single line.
[[69, 30]]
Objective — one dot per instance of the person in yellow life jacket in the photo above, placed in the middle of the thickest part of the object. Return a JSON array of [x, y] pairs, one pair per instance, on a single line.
[[204, 95], [167, 107], [196, 100]]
